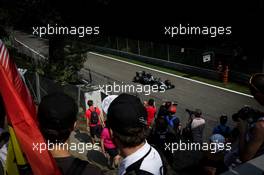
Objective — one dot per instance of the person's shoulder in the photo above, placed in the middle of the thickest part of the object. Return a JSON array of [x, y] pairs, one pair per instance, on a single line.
[[66, 165], [201, 120], [104, 131], [151, 108], [97, 109], [88, 168], [176, 117], [217, 127], [260, 126], [156, 162], [91, 169], [87, 112], [155, 154]]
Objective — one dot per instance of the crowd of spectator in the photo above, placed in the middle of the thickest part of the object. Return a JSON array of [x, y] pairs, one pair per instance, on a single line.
[[133, 134]]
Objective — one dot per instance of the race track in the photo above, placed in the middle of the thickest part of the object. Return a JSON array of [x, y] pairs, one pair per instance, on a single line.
[[212, 101]]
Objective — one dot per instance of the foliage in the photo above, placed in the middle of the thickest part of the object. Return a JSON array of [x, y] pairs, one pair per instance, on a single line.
[[65, 70]]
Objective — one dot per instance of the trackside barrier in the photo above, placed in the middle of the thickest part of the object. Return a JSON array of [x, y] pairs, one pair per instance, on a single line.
[[192, 70]]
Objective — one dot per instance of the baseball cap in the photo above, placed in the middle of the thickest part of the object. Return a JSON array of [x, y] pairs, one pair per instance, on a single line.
[[125, 112], [57, 111], [217, 138]]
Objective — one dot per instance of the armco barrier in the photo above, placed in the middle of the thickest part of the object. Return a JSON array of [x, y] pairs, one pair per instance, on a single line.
[[192, 70]]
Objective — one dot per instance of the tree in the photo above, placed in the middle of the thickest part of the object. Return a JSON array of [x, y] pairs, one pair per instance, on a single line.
[[65, 54]]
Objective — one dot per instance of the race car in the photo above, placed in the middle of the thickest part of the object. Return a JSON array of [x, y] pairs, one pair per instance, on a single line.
[[147, 79]]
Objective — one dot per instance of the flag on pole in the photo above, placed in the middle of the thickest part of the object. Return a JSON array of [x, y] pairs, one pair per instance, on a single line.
[[21, 115]]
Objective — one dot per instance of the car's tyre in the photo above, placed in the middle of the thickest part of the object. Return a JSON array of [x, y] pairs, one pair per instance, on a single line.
[[136, 79]]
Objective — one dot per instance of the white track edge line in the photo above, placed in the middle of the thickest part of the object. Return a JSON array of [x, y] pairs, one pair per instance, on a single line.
[[42, 56]]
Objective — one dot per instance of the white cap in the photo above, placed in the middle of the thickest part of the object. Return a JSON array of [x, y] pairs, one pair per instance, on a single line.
[[107, 101]]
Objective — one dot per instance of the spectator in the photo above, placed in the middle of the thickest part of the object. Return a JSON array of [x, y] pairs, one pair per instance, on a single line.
[[219, 67], [172, 120], [163, 110], [127, 120], [151, 111], [92, 115], [220, 70], [213, 163], [160, 135], [222, 128], [109, 147], [197, 126], [57, 115], [251, 138]]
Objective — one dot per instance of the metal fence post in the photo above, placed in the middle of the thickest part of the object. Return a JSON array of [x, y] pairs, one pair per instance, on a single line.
[[109, 42], [117, 44], [138, 48], [90, 76], [127, 45], [168, 52], [79, 95], [38, 88], [151, 48]]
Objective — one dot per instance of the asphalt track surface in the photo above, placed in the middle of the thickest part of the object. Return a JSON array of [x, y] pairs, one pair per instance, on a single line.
[[36, 45], [212, 101]]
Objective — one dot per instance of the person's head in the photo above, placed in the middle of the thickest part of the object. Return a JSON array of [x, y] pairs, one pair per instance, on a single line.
[[223, 119], [57, 114], [198, 113], [151, 102], [90, 103], [127, 120], [256, 85], [172, 109], [167, 104]]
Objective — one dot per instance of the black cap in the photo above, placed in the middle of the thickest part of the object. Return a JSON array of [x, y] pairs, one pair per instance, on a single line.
[[125, 112], [57, 111]]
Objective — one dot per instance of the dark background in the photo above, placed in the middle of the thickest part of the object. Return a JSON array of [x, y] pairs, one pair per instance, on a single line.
[[145, 20]]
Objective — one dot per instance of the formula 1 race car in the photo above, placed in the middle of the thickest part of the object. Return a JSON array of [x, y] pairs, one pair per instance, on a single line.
[[147, 79]]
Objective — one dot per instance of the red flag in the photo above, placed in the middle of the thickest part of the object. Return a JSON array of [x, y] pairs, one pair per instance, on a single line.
[[21, 114]]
